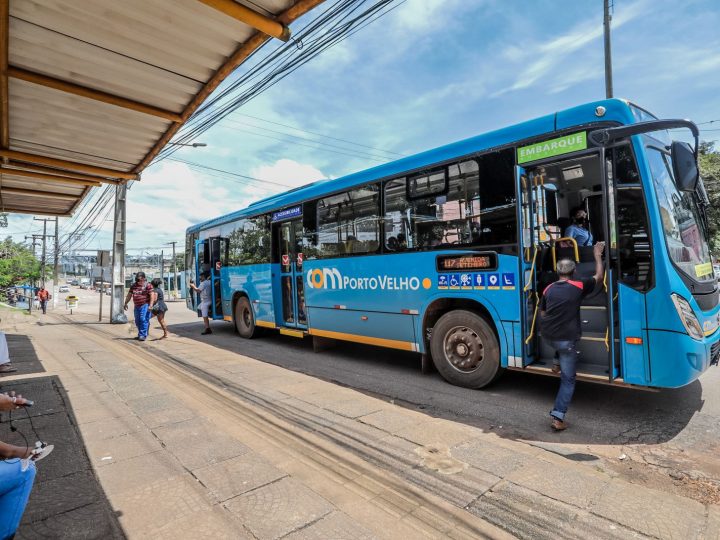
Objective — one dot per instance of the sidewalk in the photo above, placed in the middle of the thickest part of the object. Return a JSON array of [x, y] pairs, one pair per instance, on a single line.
[[185, 438]]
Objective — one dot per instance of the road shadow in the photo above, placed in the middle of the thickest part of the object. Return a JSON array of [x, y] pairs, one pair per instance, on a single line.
[[67, 500], [515, 407], [23, 355]]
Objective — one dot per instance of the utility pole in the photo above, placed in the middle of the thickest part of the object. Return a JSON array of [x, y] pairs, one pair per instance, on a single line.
[[174, 279], [44, 249], [608, 56], [31, 298], [162, 266]]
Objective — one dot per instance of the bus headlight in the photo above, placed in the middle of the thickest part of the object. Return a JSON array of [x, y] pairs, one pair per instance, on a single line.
[[687, 316]]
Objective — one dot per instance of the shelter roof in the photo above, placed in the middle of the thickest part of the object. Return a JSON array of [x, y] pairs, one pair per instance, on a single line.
[[91, 91]]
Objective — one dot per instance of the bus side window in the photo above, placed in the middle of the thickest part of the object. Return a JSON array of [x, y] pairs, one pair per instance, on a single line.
[[633, 239], [349, 222]]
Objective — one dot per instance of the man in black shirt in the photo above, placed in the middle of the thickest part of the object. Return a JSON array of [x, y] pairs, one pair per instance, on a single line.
[[560, 325]]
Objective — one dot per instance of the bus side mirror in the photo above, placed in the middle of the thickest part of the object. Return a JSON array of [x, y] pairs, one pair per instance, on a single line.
[[684, 166]]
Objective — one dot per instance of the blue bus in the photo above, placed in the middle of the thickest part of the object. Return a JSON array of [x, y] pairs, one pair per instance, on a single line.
[[447, 252]]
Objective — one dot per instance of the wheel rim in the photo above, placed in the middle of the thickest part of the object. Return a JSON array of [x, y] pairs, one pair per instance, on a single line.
[[463, 349], [246, 317]]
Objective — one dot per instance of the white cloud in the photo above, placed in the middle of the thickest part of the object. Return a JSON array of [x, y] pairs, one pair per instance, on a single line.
[[288, 172], [559, 51]]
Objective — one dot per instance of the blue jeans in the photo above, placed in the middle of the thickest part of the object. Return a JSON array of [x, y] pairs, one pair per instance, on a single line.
[[142, 320], [567, 356], [15, 486]]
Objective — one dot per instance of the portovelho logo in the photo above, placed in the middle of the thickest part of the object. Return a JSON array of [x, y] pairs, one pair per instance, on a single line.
[[331, 278]]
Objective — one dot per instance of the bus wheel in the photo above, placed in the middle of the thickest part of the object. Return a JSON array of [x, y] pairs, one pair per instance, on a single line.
[[465, 350], [245, 319]]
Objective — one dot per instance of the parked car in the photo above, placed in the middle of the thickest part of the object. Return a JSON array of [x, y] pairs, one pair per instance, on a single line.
[[716, 269], [64, 288], [75, 282]]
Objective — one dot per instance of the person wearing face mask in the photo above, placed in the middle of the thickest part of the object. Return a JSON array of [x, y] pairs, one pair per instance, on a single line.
[[579, 228]]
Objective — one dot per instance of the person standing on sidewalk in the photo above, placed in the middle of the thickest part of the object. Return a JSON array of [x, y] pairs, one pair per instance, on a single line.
[[141, 294], [205, 299], [560, 325], [158, 306], [43, 296]]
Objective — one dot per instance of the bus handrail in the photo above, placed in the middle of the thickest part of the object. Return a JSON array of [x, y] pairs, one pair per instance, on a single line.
[[532, 270], [532, 326], [564, 239]]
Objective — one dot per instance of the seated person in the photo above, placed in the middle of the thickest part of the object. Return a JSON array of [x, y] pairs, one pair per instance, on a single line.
[[392, 244], [16, 475], [350, 244], [435, 237], [579, 228], [402, 241]]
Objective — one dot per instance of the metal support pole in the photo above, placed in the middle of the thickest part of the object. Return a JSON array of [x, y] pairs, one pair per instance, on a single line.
[[56, 262], [174, 279], [117, 313], [608, 56], [102, 292]]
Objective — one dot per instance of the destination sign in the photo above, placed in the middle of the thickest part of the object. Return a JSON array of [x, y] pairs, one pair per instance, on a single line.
[[295, 211], [485, 261]]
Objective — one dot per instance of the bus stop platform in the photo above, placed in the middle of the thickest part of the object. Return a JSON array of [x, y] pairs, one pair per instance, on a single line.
[[178, 438]]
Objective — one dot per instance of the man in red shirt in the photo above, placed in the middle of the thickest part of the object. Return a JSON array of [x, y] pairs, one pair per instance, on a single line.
[[43, 296], [560, 325], [141, 294]]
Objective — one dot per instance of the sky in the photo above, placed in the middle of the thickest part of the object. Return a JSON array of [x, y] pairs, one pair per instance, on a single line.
[[428, 73]]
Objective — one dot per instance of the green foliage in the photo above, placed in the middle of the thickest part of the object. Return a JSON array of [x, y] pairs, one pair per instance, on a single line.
[[17, 264], [710, 171]]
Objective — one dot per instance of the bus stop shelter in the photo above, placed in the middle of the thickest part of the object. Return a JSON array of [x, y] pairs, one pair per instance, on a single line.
[[91, 91]]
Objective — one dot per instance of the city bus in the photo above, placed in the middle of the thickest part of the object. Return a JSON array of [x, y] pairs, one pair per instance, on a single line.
[[446, 253]]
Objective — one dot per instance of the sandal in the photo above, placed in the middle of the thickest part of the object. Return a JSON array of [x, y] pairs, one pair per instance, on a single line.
[[7, 368]]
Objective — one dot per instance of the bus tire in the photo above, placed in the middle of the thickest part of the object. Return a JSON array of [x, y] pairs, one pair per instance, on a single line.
[[465, 350], [245, 318]]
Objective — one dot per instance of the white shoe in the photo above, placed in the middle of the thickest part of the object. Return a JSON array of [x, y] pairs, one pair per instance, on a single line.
[[42, 452]]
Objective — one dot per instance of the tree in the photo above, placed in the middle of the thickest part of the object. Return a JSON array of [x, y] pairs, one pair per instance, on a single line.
[[710, 171], [18, 265]]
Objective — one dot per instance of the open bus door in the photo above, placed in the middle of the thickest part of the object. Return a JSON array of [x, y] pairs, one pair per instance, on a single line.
[[550, 191], [289, 286], [211, 257]]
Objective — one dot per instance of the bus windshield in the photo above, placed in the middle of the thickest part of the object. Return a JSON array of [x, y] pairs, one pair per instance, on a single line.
[[684, 230]]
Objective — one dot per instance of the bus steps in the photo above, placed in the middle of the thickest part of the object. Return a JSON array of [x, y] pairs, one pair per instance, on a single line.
[[293, 332]]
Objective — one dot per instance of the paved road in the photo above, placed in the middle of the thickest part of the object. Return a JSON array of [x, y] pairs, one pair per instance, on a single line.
[[670, 437]]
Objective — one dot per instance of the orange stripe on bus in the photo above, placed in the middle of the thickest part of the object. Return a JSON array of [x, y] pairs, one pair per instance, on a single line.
[[391, 343]]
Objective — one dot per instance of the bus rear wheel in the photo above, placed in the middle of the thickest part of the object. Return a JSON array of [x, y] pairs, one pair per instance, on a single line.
[[465, 350], [245, 319]]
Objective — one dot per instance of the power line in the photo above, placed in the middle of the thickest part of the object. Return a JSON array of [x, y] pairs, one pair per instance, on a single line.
[[337, 29], [317, 134], [230, 173], [349, 151]]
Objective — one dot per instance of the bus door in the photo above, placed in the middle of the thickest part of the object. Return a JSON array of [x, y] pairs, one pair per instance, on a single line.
[[537, 202], [290, 298], [211, 257], [552, 192]]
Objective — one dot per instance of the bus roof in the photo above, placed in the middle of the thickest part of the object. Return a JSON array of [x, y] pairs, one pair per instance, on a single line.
[[617, 110]]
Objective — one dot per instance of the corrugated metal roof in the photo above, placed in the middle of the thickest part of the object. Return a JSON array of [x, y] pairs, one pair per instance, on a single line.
[[90, 91]]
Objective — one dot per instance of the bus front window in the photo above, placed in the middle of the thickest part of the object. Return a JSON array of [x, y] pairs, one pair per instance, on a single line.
[[684, 231]]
